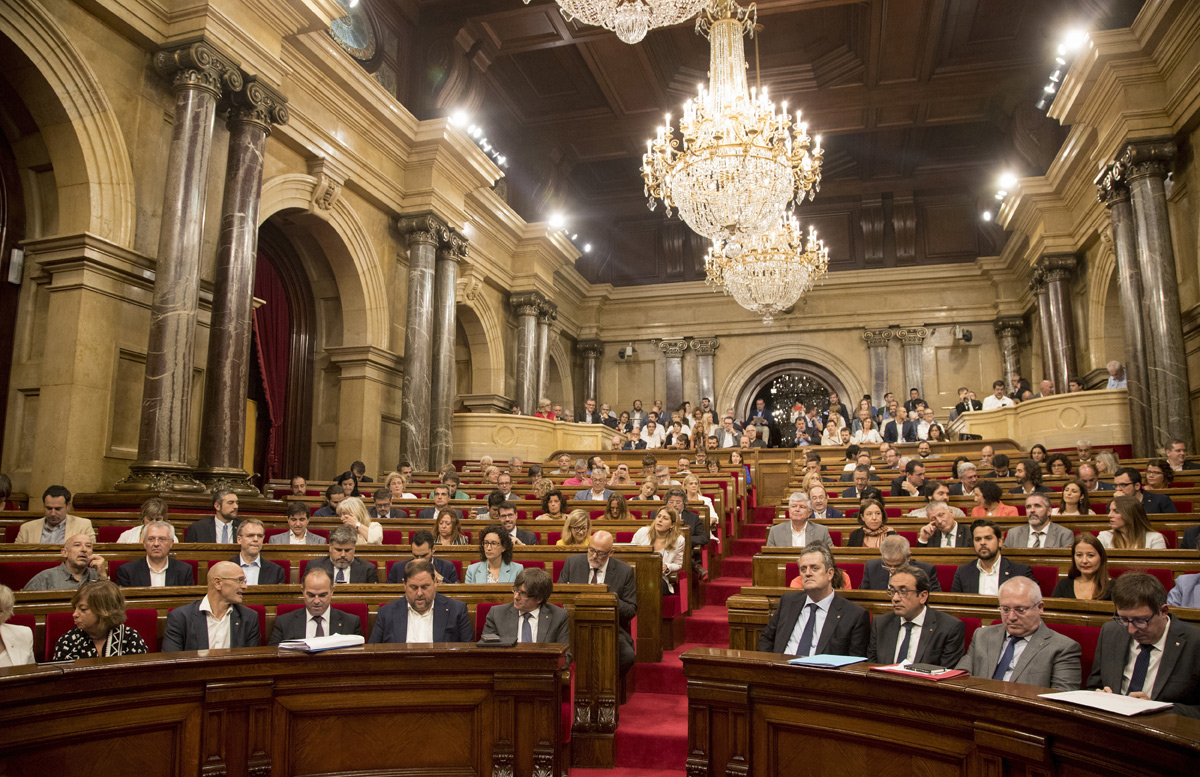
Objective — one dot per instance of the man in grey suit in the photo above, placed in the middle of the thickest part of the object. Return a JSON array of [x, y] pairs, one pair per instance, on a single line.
[[599, 567], [188, 626], [1040, 532], [1023, 649], [798, 531], [530, 617], [914, 633], [894, 553], [297, 533], [316, 618], [816, 620], [1166, 664], [341, 564]]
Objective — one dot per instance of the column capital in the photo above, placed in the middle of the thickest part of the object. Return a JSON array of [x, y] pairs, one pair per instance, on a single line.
[[423, 228], [256, 103], [1111, 186], [198, 66], [705, 346], [590, 349], [913, 335], [527, 303], [1037, 281], [673, 349], [453, 246], [1009, 327], [547, 311], [1148, 158], [1057, 267], [877, 338]]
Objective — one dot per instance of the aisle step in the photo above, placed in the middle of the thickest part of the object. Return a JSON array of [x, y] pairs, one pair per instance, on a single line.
[[746, 547], [667, 675], [753, 531], [653, 732], [707, 626], [735, 566], [719, 590]]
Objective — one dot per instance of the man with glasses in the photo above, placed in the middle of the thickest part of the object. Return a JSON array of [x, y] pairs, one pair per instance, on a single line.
[[1021, 648], [598, 567], [988, 574], [219, 620], [1144, 652], [1128, 482], [530, 617], [894, 554], [914, 633]]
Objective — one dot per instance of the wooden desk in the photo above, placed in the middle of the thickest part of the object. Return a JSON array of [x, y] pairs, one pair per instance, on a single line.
[[415, 709], [753, 714]]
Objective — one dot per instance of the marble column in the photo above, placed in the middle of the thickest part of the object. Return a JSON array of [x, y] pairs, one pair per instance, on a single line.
[[877, 356], [526, 306], [1114, 193], [444, 385], [591, 351], [913, 339], [1008, 334], [423, 233], [1037, 284], [1058, 270], [705, 348], [1146, 166], [223, 431], [199, 74], [547, 316], [673, 350]]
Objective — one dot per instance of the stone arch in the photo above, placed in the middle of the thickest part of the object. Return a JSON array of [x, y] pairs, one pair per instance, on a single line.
[[760, 367], [104, 204], [1102, 277], [483, 340], [342, 238], [559, 376]]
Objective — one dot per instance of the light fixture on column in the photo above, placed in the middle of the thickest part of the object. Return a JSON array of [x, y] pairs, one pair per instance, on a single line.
[[629, 19]]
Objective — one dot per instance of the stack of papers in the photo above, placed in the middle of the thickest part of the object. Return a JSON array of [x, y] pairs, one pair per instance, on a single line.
[[317, 644], [826, 661], [903, 669], [1109, 702]]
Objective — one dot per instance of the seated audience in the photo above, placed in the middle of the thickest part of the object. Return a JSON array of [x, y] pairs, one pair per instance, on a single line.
[[100, 629], [530, 617], [1129, 527], [220, 527], [449, 530], [649, 489], [617, 509], [495, 563], [997, 399], [1091, 480], [153, 509], [1128, 481], [79, 566], [348, 483], [297, 533], [576, 530], [599, 490], [544, 410], [452, 481], [16, 642], [1038, 453], [382, 506], [1022, 648], [909, 484], [541, 485], [987, 501], [353, 512], [872, 525], [333, 497], [506, 513], [423, 615], [359, 471], [1029, 477], [862, 479], [219, 620], [552, 506], [157, 569], [1074, 500], [316, 618], [943, 531], [258, 570], [914, 633], [701, 504], [1039, 531], [1088, 577], [991, 570], [423, 548], [299, 486], [1000, 462], [818, 500], [816, 620], [894, 553], [1176, 455], [341, 564], [580, 478], [666, 535], [968, 478], [1107, 463], [1158, 475], [1058, 464], [56, 524], [598, 567], [798, 531], [441, 503]]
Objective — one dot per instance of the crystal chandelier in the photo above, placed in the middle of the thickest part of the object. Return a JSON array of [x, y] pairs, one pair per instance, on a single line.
[[738, 164], [629, 19], [770, 272]]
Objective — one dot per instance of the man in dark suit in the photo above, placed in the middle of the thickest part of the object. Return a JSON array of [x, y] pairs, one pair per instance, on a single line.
[[316, 618], [508, 519], [862, 480], [909, 484], [700, 535], [894, 553], [991, 571], [1191, 538], [258, 570], [441, 501], [599, 567], [341, 564], [817, 620], [382, 507], [968, 478], [818, 503], [187, 626], [221, 526], [1128, 482], [422, 616], [531, 617], [943, 531], [900, 429], [157, 539], [914, 396], [914, 633], [1166, 664], [423, 549], [333, 497], [589, 414], [965, 403], [1091, 480]]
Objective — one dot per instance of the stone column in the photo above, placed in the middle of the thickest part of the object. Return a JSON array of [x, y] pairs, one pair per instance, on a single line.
[[199, 74], [1037, 284], [526, 306], [444, 385], [1058, 269], [423, 234], [591, 351], [223, 430], [705, 348], [877, 356], [1114, 193], [673, 350], [1146, 166], [547, 315], [1008, 333], [913, 339]]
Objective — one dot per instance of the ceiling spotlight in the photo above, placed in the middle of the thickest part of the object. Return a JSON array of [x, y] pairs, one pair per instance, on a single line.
[[558, 220], [1041, 104], [1062, 51], [1060, 60], [987, 215], [587, 248], [1075, 39], [1007, 180], [575, 237], [1001, 195], [1055, 76], [458, 118], [1049, 88], [354, 3]]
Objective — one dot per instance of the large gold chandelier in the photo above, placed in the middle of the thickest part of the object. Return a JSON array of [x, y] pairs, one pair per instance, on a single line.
[[770, 272], [738, 164], [629, 19]]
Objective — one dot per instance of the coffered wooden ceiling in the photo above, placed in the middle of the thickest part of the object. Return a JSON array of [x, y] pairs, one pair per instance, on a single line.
[[921, 103]]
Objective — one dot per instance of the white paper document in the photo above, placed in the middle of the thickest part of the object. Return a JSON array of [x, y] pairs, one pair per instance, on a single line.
[[1109, 702], [317, 644]]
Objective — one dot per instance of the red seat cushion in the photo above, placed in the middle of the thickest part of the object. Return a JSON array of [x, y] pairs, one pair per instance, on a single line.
[[109, 533], [972, 624], [321, 533], [945, 573], [57, 624], [145, 621], [623, 536], [894, 512], [261, 611], [393, 537], [911, 536], [17, 574], [11, 532], [557, 567], [790, 571], [836, 536], [1165, 576], [553, 537], [1046, 577], [854, 571], [670, 606], [273, 531], [1087, 637], [481, 611], [1171, 538]]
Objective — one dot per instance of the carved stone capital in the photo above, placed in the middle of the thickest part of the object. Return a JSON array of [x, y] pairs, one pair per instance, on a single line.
[[1148, 158], [590, 349], [257, 103], [425, 228], [1037, 281], [913, 335], [705, 346], [159, 478], [527, 303], [1009, 327], [548, 312], [1111, 186], [198, 66], [454, 245], [673, 349], [1056, 268], [877, 338]]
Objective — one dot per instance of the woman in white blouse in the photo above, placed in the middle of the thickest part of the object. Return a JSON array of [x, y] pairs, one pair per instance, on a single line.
[[701, 504], [665, 535], [353, 512], [1130, 527], [396, 484], [868, 434], [16, 642]]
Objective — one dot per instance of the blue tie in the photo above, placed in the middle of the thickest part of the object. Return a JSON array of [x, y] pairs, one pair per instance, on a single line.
[[1140, 667], [806, 636], [902, 653], [1006, 659], [527, 628], [225, 534]]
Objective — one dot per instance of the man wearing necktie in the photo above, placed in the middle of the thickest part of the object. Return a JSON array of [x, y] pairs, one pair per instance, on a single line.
[[598, 567], [914, 633], [538, 620], [341, 564], [816, 620], [316, 618], [1144, 652]]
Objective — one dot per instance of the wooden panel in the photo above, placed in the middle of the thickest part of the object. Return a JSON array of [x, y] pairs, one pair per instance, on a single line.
[[949, 230], [902, 40]]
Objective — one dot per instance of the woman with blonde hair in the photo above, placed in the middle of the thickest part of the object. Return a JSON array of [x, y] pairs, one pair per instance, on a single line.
[[666, 535], [395, 483], [16, 642], [649, 489], [353, 512], [576, 530], [1129, 527], [700, 503], [542, 486], [491, 475], [811, 479], [100, 629], [153, 511]]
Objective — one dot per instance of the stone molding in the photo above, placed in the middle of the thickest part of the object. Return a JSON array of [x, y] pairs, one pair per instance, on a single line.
[[257, 103], [913, 335], [1150, 158], [673, 349], [877, 338], [590, 349], [199, 66], [527, 303], [705, 346], [1009, 327], [1055, 268]]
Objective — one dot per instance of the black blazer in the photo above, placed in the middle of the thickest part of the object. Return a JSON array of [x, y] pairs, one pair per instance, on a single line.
[[205, 530], [450, 621], [972, 404], [1157, 503], [527, 537], [269, 573], [187, 628], [846, 632], [443, 567], [942, 639], [360, 571], [1191, 537], [137, 573], [700, 535], [962, 538], [966, 577], [875, 577], [830, 512], [291, 625], [1178, 678], [957, 490], [1065, 589], [395, 512], [618, 578], [429, 513]]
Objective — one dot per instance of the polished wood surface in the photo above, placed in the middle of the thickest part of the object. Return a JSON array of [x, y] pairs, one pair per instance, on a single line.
[[754, 714], [378, 709]]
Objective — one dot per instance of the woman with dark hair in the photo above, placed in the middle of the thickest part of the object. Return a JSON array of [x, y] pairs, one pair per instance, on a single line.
[[449, 529], [617, 508], [552, 506], [1038, 453], [348, 483], [1129, 527], [100, 629], [1029, 478], [1058, 464], [987, 501], [495, 563], [1074, 500], [735, 460], [1158, 476], [1088, 577], [936, 433], [872, 524]]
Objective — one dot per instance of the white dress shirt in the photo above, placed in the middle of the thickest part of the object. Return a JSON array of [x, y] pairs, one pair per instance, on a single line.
[[1156, 654], [301, 540], [923, 430], [798, 537], [914, 641], [533, 624], [310, 624], [420, 627], [822, 612], [600, 571], [989, 582], [250, 569], [158, 577], [991, 403], [218, 629]]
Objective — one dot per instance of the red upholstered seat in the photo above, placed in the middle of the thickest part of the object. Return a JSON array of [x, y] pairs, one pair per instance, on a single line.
[[972, 624], [911, 536], [1087, 637], [17, 574], [393, 537], [1171, 537], [261, 611], [553, 537], [670, 606], [557, 567], [1046, 577], [273, 531], [595, 514], [623, 536], [57, 624], [1165, 576], [894, 512], [109, 533], [145, 621], [854, 572], [481, 611], [11, 532], [1182, 505], [836, 536], [790, 571], [945, 573], [1020, 509]]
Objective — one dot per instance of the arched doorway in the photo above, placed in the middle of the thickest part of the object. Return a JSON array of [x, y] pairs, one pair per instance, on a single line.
[[784, 383]]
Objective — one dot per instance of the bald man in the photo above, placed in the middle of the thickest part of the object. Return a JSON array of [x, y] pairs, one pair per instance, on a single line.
[[79, 566], [219, 620], [598, 566]]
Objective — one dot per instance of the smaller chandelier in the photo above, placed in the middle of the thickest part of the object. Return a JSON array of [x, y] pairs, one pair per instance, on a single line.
[[629, 19], [767, 274]]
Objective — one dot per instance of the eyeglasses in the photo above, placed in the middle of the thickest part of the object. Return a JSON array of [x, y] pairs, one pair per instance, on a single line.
[[1123, 485], [901, 591], [238, 580], [491, 544], [599, 553], [1006, 610], [1137, 623]]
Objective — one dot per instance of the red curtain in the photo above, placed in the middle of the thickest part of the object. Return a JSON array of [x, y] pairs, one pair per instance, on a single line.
[[272, 340]]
